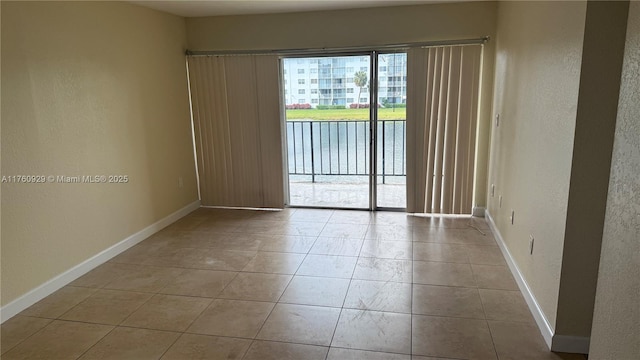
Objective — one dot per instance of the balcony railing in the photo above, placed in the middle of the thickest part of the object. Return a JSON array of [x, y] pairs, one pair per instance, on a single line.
[[342, 148]]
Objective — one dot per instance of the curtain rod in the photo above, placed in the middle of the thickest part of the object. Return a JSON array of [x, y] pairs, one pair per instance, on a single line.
[[480, 40]]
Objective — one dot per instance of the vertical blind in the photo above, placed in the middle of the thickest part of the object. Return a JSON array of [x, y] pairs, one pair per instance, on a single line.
[[238, 139], [443, 92]]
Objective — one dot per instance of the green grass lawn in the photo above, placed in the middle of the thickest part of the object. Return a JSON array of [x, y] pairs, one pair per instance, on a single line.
[[345, 114]]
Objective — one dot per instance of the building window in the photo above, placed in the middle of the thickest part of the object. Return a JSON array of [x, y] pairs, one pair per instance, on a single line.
[[314, 101], [363, 68], [349, 90], [300, 71], [301, 91], [363, 100], [349, 80], [350, 100], [313, 71], [314, 81], [350, 69], [383, 68], [302, 101], [301, 81], [314, 91]]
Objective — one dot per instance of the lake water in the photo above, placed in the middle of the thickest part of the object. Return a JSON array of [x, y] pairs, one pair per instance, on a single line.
[[341, 148]]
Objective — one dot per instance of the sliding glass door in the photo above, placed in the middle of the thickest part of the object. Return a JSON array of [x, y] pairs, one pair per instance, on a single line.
[[345, 139]]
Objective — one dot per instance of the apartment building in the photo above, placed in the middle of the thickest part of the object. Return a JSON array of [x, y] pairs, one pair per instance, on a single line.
[[327, 81]]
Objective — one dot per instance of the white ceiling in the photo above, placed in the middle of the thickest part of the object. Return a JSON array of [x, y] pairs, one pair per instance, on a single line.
[[194, 8]]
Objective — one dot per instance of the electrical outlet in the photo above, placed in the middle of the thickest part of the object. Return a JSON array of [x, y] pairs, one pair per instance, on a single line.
[[497, 120], [500, 201], [180, 182], [531, 240], [513, 214], [493, 190]]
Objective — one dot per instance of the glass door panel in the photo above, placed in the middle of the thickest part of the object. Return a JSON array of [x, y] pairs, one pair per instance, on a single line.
[[328, 130], [391, 166]]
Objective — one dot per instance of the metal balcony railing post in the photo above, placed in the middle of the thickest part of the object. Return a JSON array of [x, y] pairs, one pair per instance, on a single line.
[[295, 156], [313, 168], [383, 153], [304, 162], [393, 172]]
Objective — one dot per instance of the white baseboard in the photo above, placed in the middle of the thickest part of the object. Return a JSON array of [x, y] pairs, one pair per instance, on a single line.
[[541, 320], [239, 208], [49, 287], [555, 342], [478, 211], [570, 344]]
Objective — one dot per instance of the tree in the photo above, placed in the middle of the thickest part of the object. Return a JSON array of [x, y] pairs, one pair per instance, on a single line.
[[360, 80]]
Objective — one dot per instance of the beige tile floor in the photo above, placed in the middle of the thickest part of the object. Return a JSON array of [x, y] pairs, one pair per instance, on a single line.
[[295, 284], [337, 193]]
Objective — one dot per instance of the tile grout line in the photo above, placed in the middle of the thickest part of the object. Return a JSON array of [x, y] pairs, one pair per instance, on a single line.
[[285, 289], [335, 329], [486, 321], [25, 339], [97, 342], [170, 346], [411, 298], [127, 317], [217, 298]]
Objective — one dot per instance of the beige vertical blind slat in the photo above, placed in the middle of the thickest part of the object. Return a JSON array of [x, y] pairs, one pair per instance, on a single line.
[[463, 133], [416, 129], [434, 66], [444, 81], [474, 74], [451, 127], [439, 140], [237, 130]]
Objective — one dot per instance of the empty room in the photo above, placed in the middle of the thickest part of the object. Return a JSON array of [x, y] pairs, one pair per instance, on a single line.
[[397, 180]]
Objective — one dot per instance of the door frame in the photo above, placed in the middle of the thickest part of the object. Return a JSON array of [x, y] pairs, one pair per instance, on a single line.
[[373, 126], [376, 54]]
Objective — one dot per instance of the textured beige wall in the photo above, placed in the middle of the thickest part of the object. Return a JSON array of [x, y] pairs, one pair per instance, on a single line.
[[616, 322], [336, 28], [538, 58], [88, 88], [602, 55], [361, 27]]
